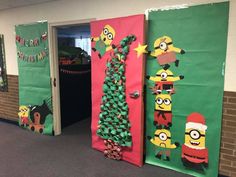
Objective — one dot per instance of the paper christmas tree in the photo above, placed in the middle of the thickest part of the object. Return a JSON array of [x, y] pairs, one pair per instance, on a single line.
[[114, 125]]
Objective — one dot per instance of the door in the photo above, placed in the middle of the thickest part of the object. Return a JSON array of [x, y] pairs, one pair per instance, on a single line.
[[35, 96], [184, 106], [117, 87]]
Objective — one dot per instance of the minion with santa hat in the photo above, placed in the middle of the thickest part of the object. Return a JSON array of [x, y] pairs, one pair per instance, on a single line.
[[194, 149]]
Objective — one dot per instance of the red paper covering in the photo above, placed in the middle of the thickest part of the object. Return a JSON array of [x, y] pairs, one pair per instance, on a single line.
[[163, 118], [166, 58], [195, 155], [134, 81]]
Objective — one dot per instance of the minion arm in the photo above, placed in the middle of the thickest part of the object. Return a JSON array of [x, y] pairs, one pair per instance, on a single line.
[[173, 79], [94, 39], [155, 79], [177, 50], [172, 146], [155, 53], [108, 48]]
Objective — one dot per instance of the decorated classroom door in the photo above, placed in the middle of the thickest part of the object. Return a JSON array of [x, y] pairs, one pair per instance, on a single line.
[[185, 82], [117, 87], [35, 96]]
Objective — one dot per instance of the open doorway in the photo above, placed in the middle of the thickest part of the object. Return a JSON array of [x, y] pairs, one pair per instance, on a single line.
[[74, 60]]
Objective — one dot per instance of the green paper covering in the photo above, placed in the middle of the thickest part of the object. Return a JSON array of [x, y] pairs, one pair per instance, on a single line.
[[34, 78], [114, 123], [201, 31]]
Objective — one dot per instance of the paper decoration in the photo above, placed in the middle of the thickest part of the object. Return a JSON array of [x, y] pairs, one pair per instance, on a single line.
[[113, 150], [34, 78], [194, 149], [31, 42], [32, 58], [164, 51], [24, 115], [44, 36], [34, 117], [162, 141], [134, 69], [103, 42], [202, 85], [141, 49], [74, 72], [163, 111], [114, 122], [38, 114], [164, 80]]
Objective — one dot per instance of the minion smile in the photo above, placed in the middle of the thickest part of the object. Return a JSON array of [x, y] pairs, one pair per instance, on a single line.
[[194, 143], [104, 39], [161, 107], [162, 144]]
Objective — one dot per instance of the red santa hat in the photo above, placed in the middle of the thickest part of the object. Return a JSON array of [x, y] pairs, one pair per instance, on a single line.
[[196, 121]]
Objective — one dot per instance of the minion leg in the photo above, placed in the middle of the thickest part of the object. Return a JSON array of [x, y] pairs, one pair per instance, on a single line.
[[176, 63], [166, 66], [94, 49], [158, 155], [167, 155], [99, 55], [205, 164]]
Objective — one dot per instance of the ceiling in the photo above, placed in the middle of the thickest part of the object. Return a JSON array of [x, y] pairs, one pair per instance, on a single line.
[[8, 4]]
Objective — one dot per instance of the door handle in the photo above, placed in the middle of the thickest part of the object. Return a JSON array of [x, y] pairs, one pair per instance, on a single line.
[[135, 94]]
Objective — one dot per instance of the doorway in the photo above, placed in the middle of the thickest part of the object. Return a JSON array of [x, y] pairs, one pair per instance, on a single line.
[[74, 59], [71, 76]]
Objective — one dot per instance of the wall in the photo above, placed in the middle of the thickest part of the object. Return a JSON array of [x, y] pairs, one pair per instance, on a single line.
[[69, 10], [9, 100], [228, 137]]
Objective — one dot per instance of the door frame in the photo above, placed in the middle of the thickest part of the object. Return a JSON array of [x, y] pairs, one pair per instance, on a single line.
[[54, 68]]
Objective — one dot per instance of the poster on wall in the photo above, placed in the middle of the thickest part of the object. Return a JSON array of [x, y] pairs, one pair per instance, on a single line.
[[117, 86], [3, 72], [35, 96], [184, 83]]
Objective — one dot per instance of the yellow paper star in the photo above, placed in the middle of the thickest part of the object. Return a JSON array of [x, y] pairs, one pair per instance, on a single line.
[[141, 49]]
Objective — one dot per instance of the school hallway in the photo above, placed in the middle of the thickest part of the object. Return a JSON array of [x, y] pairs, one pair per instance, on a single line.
[[27, 154]]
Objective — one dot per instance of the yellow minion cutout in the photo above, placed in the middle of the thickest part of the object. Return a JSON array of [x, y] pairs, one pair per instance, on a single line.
[[103, 42], [163, 111], [162, 139], [165, 52], [163, 102], [165, 75], [24, 115], [164, 80], [194, 149]]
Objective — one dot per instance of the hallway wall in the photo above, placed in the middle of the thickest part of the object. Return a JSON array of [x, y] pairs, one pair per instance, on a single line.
[[69, 10], [9, 100]]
